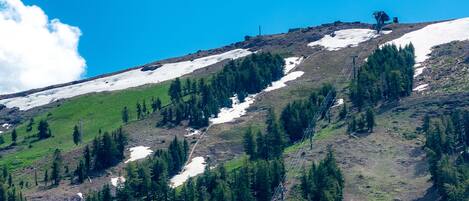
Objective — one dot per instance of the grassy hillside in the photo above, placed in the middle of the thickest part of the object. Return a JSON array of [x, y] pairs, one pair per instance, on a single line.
[[96, 111]]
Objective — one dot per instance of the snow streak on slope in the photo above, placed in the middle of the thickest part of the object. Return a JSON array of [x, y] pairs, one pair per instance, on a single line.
[[195, 167], [434, 34], [346, 38], [132, 78], [238, 109], [421, 87], [281, 83]]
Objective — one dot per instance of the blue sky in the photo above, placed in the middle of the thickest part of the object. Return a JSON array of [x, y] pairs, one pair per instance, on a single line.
[[119, 34]]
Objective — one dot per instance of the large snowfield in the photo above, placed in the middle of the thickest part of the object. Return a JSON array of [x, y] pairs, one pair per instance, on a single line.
[[432, 35], [132, 78], [346, 38], [195, 167]]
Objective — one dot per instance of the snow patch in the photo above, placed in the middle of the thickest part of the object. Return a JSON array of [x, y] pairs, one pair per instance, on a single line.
[[6, 126], [291, 62], [128, 79], [138, 152], [237, 110], [116, 181], [80, 195], [281, 83], [339, 102], [191, 132], [346, 38], [421, 87], [195, 167], [432, 35]]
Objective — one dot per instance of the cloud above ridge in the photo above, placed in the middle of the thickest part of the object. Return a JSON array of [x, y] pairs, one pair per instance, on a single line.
[[35, 51]]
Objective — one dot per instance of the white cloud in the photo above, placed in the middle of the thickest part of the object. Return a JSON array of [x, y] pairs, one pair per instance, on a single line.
[[35, 51]]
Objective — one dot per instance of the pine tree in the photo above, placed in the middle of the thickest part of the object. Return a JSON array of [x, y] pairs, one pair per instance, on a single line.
[[125, 115], [43, 130], [76, 135], [35, 177], [3, 192], [175, 90], [29, 127], [343, 112], [46, 177], [249, 144], [139, 111], [56, 174], [80, 172], [370, 119], [14, 136], [274, 137], [87, 158]]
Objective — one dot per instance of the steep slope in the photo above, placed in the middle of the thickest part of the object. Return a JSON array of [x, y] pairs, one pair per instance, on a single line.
[[384, 165]]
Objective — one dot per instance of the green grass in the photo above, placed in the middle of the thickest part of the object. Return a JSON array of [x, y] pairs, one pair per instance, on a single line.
[[323, 134], [235, 163], [96, 111]]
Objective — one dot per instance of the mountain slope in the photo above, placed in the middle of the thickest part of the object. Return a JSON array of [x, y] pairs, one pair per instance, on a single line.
[[384, 165]]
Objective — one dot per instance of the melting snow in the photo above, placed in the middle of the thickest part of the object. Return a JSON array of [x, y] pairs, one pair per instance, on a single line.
[[6, 125], [281, 83], [421, 87], [138, 152], [192, 132], [291, 62], [195, 167], [339, 102], [128, 79], [432, 35], [346, 38], [237, 110], [80, 195], [115, 181]]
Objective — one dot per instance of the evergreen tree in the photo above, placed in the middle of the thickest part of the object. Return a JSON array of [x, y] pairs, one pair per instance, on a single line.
[[43, 130], [249, 144], [87, 159], [125, 115], [46, 177], [343, 112], [139, 111], [29, 127], [14, 136], [56, 174], [370, 119], [76, 135], [275, 137], [175, 90]]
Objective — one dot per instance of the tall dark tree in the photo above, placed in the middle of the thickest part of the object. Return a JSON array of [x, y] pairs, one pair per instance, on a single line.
[[249, 144], [14, 136], [56, 173], [175, 90], [43, 130], [76, 135], [125, 115], [370, 119]]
